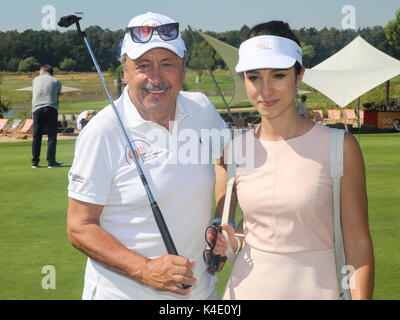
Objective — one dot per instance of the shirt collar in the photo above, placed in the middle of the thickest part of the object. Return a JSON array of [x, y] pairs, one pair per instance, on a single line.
[[132, 118]]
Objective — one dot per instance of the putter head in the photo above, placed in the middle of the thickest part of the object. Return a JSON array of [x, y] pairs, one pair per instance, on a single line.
[[67, 20]]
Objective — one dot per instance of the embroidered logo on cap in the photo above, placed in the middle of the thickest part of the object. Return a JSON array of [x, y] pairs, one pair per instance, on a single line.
[[263, 45]]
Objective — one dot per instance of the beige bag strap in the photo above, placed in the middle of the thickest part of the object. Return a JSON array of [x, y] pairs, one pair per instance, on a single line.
[[230, 180], [336, 172]]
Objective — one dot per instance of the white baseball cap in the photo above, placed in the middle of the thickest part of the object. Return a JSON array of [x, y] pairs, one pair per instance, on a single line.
[[134, 50], [268, 52]]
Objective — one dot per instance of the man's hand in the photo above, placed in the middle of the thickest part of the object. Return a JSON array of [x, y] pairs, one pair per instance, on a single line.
[[167, 273]]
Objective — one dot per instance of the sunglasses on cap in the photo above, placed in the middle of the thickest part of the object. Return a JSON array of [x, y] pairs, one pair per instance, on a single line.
[[143, 34]]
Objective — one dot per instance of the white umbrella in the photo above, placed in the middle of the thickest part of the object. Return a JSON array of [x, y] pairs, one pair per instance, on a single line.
[[300, 92], [352, 71], [63, 89]]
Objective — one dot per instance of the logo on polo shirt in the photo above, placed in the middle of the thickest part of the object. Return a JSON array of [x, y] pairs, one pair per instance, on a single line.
[[143, 151], [76, 178]]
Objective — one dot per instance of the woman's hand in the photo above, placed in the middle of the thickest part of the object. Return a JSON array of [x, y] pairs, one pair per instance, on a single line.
[[222, 244]]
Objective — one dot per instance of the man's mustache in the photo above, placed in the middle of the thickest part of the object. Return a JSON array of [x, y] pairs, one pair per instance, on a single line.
[[160, 86]]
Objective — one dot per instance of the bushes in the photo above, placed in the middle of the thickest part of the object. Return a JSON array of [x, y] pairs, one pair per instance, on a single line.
[[29, 64], [4, 103], [68, 64]]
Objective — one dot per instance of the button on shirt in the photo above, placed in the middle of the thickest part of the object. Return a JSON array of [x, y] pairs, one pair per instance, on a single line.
[[179, 170]]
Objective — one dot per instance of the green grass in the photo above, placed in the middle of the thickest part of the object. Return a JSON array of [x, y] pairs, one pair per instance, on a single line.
[[78, 107], [33, 221], [382, 161], [33, 226]]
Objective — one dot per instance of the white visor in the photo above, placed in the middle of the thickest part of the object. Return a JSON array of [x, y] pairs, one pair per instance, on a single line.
[[268, 52]]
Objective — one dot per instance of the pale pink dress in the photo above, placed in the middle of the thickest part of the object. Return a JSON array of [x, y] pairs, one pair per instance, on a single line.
[[288, 221]]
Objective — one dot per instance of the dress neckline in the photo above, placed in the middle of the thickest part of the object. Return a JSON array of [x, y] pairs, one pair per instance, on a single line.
[[285, 140]]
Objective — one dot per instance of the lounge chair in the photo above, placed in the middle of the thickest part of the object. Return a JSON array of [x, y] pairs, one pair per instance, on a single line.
[[361, 114], [3, 124], [396, 124], [15, 125], [334, 116], [350, 116], [26, 128], [318, 116]]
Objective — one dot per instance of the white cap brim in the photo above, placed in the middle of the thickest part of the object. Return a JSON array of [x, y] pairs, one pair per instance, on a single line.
[[268, 52], [269, 62]]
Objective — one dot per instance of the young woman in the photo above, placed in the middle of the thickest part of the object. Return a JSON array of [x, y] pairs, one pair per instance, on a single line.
[[287, 248]]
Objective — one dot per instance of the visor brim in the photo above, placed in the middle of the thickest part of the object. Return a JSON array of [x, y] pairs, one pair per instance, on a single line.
[[269, 62]]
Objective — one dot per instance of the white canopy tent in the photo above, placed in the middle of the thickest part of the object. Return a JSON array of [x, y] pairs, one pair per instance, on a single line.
[[230, 55], [352, 71]]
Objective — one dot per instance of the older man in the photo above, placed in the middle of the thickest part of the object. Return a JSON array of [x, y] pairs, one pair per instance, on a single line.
[[109, 216]]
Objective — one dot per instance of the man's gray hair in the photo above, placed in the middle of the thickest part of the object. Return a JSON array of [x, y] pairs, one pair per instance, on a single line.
[[123, 59]]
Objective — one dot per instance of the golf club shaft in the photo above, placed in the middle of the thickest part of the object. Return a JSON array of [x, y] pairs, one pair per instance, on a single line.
[[169, 244]]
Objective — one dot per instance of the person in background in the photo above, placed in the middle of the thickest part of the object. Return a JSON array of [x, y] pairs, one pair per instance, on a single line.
[[301, 107], [45, 92], [84, 118]]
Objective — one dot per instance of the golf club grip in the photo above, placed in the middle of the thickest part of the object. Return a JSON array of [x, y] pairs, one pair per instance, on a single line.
[[162, 226]]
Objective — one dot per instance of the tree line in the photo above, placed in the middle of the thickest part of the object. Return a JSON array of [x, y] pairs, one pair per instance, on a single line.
[[26, 51]]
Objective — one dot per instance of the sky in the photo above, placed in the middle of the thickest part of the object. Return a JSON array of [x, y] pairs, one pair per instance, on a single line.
[[207, 15]]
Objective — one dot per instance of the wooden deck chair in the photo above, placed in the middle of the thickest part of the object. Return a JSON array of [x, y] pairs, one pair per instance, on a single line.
[[318, 115], [26, 128], [3, 124], [361, 114], [396, 124], [15, 125], [350, 116], [334, 116]]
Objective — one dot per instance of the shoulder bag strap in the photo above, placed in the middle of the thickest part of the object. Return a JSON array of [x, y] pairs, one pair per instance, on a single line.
[[230, 180], [336, 171]]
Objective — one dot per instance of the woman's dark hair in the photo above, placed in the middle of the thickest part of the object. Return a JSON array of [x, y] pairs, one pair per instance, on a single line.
[[275, 28]]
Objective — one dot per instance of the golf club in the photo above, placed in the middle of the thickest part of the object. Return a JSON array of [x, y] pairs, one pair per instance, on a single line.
[[66, 21]]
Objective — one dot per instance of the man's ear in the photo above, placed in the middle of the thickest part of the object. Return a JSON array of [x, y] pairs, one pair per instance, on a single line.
[[125, 73]]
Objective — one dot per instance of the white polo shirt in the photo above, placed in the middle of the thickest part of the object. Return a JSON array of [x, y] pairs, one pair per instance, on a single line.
[[181, 177]]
